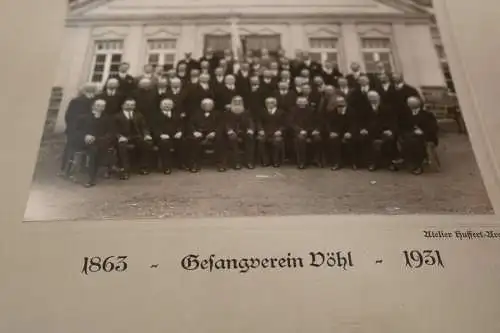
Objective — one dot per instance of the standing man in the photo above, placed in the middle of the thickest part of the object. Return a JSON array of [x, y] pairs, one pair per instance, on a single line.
[[146, 101], [354, 75], [111, 94], [126, 82], [189, 62], [77, 108]]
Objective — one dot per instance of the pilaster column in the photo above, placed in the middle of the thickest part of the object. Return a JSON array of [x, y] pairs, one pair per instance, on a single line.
[[79, 42], [405, 48], [352, 46], [135, 49]]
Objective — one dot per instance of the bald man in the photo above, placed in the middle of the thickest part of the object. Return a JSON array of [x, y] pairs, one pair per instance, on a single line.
[[146, 100], [239, 125], [97, 136], [126, 81], [306, 129], [378, 131], [198, 92], [419, 128], [271, 128], [113, 97], [206, 129], [225, 94]]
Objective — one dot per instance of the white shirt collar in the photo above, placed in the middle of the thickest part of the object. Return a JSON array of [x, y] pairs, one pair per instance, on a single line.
[[167, 113], [111, 91], [400, 85], [416, 111], [273, 110], [128, 114]]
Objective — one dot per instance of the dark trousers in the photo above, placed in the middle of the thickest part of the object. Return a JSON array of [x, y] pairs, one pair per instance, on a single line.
[[339, 150], [413, 149], [136, 150], [248, 147], [165, 147], [375, 150], [196, 145], [99, 154], [301, 144], [270, 149]]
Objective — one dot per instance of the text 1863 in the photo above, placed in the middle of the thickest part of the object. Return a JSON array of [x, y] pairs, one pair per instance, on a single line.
[[107, 265], [419, 259]]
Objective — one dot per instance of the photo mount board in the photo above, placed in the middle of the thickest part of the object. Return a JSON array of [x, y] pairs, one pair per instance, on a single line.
[[43, 289]]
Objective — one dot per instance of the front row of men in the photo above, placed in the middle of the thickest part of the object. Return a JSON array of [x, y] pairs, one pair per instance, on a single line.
[[371, 137]]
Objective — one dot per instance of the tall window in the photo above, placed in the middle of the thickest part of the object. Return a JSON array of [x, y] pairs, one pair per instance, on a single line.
[[218, 43], [377, 50], [161, 52], [323, 49], [256, 43], [107, 59]]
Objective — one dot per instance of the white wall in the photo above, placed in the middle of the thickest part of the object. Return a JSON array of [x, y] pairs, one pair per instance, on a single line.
[[76, 47]]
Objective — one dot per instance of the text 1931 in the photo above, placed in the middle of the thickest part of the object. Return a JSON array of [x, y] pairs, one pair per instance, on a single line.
[[107, 265], [421, 258]]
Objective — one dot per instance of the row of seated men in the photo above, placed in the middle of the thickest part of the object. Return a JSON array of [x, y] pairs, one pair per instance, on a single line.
[[362, 128]]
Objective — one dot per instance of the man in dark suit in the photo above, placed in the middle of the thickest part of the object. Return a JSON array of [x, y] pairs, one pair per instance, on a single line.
[[254, 100], [380, 70], [338, 123], [419, 128], [330, 73], [112, 96], [385, 89], [305, 126], [309, 64], [206, 128], [146, 101], [354, 75], [183, 72], [167, 133], [359, 96], [126, 82], [161, 90], [197, 93], [343, 88], [403, 91], [268, 83], [225, 94], [179, 95], [313, 98], [148, 73], [134, 139], [77, 107], [239, 125], [211, 58], [96, 134], [217, 80], [378, 133], [189, 62], [205, 67], [285, 97], [286, 77], [243, 79], [271, 132], [229, 62]]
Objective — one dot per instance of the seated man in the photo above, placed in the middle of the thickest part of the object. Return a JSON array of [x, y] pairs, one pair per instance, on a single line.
[[272, 125], [377, 126], [97, 135], [205, 127], [339, 134], [134, 139], [239, 125], [419, 128], [305, 126], [167, 133]]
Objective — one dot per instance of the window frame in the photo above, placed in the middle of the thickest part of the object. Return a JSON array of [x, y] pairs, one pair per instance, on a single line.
[[108, 53], [323, 51], [378, 50], [162, 53]]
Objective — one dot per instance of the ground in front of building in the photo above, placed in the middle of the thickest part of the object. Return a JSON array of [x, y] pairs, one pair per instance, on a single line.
[[456, 189]]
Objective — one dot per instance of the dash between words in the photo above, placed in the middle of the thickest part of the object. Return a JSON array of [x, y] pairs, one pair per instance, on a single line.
[[339, 259]]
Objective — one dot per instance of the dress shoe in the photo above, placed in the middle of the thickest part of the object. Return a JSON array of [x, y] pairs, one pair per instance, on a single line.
[[276, 165], [393, 168], [90, 184], [417, 171], [167, 171], [301, 166], [335, 167], [144, 172], [222, 169], [250, 166], [372, 167], [354, 167], [124, 176], [237, 167]]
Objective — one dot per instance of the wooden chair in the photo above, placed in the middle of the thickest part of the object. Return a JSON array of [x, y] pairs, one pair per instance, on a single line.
[[443, 104]]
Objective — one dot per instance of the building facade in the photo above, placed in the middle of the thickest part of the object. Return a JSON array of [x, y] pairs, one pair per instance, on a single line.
[[100, 34]]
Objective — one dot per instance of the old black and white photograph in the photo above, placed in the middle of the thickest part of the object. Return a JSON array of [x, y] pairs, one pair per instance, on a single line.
[[204, 108]]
